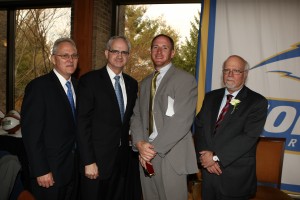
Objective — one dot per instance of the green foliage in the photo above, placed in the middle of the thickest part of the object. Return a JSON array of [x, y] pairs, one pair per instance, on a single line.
[[140, 30], [188, 51]]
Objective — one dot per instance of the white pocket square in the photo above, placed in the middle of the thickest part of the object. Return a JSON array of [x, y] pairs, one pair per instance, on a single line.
[[170, 111]]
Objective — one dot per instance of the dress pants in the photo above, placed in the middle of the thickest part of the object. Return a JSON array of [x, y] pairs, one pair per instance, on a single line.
[[112, 188], [166, 184], [211, 189], [133, 189]]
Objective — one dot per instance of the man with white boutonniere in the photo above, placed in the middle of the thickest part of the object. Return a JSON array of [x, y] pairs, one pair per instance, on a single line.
[[226, 133]]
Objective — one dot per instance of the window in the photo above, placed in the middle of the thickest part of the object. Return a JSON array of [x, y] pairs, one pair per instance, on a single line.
[[36, 31]]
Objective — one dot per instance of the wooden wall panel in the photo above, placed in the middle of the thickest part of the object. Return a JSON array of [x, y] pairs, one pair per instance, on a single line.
[[83, 33]]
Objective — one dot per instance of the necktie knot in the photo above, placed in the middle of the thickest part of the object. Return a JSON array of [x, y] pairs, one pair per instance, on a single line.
[[68, 84], [229, 97], [117, 78]]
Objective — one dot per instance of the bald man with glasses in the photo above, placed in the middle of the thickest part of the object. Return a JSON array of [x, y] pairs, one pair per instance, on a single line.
[[227, 130]]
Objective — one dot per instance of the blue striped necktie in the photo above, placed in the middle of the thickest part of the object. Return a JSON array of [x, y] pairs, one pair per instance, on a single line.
[[119, 95], [70, 97]]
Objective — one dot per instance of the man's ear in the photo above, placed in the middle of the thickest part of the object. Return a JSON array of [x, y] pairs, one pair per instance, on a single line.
[[106, 53], [173, 53], [53, 59]]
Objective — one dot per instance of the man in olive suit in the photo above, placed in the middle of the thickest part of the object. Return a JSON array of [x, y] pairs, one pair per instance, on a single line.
[[164, 139]]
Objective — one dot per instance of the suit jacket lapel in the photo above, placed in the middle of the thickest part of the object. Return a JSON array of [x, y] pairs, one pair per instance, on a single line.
[[129, 93], [145, 92], [107, 84], [165, 79], [62, 93], [109, 88], [74, 83], [216, 108]]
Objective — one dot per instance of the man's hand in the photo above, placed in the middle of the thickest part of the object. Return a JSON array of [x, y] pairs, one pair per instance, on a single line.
[[146, 150], [206, 159], [142, 161], [91, 171], [215, 169], [45, 180]]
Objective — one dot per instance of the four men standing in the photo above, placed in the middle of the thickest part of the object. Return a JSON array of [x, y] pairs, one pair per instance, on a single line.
[[225, 136]]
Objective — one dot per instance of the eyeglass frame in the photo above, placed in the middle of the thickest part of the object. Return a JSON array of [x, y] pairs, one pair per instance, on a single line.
[[67, 56], [117, 52], [233, 71]]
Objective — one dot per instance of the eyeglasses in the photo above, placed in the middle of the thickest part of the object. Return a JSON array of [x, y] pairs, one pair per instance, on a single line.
[[116, 52], [67, 56], [234, 71]]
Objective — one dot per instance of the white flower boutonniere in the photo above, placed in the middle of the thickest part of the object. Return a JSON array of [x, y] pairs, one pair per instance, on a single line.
[[235, 103]]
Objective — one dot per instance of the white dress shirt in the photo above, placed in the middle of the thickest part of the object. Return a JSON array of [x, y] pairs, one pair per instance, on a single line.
[[162, 73], [63, 82], [225, 99]]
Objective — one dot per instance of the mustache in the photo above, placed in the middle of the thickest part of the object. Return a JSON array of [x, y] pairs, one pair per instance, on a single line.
[[229, 79]]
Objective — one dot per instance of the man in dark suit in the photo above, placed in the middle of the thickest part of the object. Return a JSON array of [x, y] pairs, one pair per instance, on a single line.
[[48, 125], [166, 143], [227, 131], [106, 98]]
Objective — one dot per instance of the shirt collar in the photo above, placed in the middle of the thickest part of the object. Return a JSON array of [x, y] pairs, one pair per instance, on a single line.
[[112, 74], [233, 94], [61, 79], [164, 69]]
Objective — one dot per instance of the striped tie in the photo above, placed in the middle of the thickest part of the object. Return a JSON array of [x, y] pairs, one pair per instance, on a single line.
[[223, 112], [119, 95], [70, 97], [152, 94]]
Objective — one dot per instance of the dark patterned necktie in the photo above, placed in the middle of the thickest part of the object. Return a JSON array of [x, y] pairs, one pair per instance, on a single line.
[[152, 94], [223, 112], [119, 95], [70, 97]]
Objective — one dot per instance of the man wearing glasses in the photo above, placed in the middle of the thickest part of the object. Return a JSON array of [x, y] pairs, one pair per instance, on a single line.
[[106, 98], [48, 125], [227, 130]]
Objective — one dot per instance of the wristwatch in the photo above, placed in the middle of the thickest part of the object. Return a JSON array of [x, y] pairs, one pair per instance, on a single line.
[[215, 158]]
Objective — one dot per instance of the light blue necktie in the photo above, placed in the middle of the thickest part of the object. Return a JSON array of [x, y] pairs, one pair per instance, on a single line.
[[70, 97], [119, 95]]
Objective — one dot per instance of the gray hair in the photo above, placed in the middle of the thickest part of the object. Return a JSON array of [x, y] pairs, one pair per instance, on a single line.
[[61, 40], [246, 64], [108, 44]]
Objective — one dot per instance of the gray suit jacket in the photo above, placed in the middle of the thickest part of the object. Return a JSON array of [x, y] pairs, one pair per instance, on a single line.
[[174, 141]]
